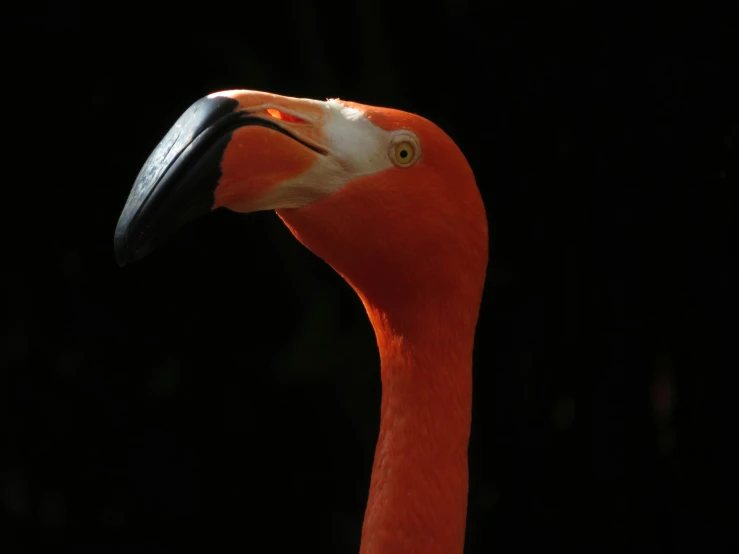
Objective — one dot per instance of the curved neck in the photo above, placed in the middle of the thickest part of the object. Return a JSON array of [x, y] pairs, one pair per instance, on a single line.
[[418, 491], [420, 278]]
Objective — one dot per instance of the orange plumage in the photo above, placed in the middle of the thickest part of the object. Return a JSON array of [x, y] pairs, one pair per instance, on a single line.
[[389, 201]]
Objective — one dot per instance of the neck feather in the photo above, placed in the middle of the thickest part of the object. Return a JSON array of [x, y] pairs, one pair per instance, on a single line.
[[418, 492]]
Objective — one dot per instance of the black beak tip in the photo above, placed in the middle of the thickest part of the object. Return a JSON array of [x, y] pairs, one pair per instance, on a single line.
[[122, 253], [177, 182], [125, 251], [120, 259]]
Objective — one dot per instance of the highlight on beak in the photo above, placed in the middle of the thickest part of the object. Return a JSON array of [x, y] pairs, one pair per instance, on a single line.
[[178, 181]]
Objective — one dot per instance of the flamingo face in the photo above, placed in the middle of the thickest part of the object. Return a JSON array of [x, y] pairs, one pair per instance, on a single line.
[[382, 195], [332, 144]]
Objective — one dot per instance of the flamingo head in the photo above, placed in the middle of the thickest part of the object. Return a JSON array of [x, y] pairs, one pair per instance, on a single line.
[[383, 196]]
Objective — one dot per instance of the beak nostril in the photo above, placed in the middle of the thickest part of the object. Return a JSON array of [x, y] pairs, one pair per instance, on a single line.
[[283, 116]]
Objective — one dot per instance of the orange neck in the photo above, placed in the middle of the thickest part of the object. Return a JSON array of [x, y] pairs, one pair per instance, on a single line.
[[420, 278], [418, 492]]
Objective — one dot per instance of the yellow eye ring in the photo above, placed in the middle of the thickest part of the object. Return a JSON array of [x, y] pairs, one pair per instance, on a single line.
[[404, 150]]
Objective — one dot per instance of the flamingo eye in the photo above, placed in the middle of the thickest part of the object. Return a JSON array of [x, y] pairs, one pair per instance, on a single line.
[[404, 150]]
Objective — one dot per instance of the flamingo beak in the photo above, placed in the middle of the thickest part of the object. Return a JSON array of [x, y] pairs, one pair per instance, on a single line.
[[180, 180]]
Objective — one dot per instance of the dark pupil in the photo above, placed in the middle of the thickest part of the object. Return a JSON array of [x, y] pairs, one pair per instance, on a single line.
[[404, 153]]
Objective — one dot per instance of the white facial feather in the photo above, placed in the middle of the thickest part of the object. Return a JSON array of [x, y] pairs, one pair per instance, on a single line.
[[356, 148], [357, 142]]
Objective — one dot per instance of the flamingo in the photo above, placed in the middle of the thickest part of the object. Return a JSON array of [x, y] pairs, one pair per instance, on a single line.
[[389, 201]]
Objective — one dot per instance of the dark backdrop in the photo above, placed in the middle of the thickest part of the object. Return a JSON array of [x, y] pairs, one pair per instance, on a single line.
[[226, 390]]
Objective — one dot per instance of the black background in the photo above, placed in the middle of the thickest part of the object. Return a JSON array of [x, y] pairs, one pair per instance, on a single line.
[[224, 393]]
